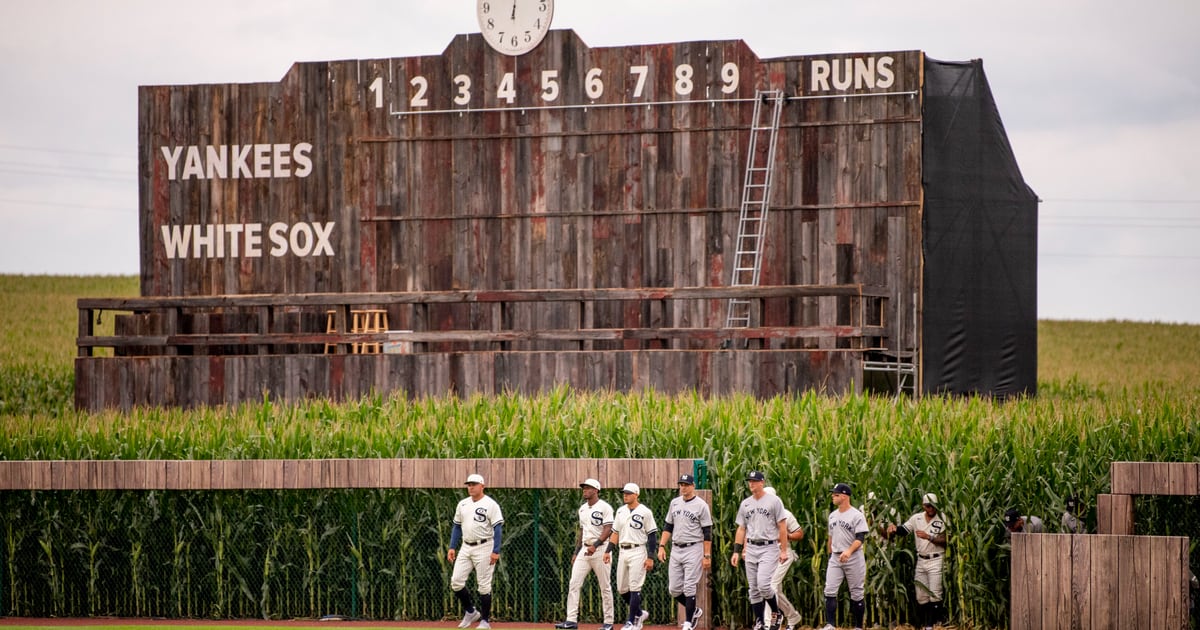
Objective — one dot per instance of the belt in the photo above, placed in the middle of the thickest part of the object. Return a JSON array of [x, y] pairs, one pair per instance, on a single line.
[[682, 545], [762, 543], [476, 542], [629, 545], [930, 556]]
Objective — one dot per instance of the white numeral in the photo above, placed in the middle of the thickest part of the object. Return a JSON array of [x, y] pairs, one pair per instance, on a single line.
[[593, 85], [377, 87], [683, 79], [418, 99], [549, 85], [505, 91], [464, 89], [641, 72], [730, 76]]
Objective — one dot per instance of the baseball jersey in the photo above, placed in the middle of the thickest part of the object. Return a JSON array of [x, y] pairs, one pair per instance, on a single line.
[[688, 519], [633, 526], [593, 518], [843, 526], [1071, 524], [790, 521], [761, 517], [477, 518], [920, 523]]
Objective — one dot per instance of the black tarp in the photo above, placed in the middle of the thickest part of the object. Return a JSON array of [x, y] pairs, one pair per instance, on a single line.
[[979, 325]]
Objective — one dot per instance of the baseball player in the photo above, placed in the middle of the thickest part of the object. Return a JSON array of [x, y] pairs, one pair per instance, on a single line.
[[594, 554], [478, 524], [1072, 524], [1015, 523], [847, 533], [762, 526], [636, 534], [689, 526], [795, 532], [928, 528]]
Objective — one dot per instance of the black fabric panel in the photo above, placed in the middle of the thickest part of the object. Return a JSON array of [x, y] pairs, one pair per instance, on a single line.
[[979, 323]]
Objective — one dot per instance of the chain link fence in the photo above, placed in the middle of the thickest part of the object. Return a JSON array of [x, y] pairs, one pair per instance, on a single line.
[[368, 554]]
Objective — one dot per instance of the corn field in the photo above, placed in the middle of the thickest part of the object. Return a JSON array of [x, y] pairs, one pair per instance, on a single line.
[[380, 554]]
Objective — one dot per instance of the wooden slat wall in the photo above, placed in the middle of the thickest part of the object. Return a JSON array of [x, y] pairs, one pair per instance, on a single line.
[[1158, 478], [102, 383], [1114, 514], [548, 198], [289, 474], [1098, 582]]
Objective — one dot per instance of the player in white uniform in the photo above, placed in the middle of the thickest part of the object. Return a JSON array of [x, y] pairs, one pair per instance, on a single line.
[[795, 532], [478, 524], [762, 526], [635, 534], [689, 528], [1014, 523], [847, 533], [929, 530], [594, 555]]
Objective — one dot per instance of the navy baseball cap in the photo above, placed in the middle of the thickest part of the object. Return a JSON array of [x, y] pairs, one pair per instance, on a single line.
[[841, 488], [687, 479], [1011, 517], [755, 475]]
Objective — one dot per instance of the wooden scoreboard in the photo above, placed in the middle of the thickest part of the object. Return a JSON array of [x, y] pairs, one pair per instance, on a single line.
[[565, 215]]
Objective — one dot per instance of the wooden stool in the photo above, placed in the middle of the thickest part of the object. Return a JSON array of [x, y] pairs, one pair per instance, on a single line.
[[330, 328], [368, 321]]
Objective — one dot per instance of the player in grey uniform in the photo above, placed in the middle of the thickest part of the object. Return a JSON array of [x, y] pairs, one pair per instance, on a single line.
[[795, 532], [929, 529], [636, 535], [1014, 523], [1072, 524], [478, 524], [762, 533], [593, 555], [689, 525], [847, 533]]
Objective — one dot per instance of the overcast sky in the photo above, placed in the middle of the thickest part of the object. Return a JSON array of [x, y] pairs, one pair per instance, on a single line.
[[1101, 101]]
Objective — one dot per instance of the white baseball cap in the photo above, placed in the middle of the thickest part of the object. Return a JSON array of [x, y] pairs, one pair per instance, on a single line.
[[929, 499], [631, 488], [475, 478], [589, 482], [769, 490]]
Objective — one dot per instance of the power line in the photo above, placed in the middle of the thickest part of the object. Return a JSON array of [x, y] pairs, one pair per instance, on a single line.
[[67, 151]]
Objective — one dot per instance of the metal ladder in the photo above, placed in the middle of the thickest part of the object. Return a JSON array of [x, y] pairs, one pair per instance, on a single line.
[[756, 193]]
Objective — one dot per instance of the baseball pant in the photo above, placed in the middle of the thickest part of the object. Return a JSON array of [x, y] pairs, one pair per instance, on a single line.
[[579, 570], [785, 606], [761, 561], [477, 557], [852, 571], [686, 565], [929, 580], [631, 569]]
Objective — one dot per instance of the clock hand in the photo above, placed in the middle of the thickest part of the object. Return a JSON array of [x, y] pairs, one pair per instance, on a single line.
[[514, 11]]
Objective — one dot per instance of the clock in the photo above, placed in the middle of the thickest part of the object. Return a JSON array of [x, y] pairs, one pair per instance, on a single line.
[[514, 27]]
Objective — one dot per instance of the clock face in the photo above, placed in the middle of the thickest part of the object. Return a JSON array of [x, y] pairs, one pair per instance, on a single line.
[[514, 27]]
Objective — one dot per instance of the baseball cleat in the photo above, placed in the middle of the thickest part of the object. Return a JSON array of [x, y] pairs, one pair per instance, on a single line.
[[566, 625], [484, 625], [641, 620], [687, 625], [791, 626], [606, 626], [628, 626], [828, 626], [696, 615], [469, 618]]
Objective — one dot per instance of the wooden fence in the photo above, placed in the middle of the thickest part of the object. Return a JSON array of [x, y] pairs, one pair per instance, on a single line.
[[295, 474], [1114, 512], [1095, 582]]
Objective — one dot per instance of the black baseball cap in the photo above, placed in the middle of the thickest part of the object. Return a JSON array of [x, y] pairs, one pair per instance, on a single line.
[[755, 475], [841, 488], [1011, 516], [687, 479]]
